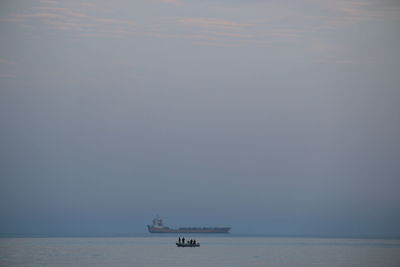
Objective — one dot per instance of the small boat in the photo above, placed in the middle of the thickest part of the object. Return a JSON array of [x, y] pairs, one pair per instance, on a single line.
[[187, 245]]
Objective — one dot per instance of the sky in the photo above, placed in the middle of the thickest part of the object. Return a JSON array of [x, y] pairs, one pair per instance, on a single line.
[[272, 117]]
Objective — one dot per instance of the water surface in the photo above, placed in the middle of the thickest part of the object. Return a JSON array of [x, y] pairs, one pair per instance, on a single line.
[[214, 251]]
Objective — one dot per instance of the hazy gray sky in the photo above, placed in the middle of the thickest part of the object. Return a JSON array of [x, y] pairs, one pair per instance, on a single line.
[[276, 117]]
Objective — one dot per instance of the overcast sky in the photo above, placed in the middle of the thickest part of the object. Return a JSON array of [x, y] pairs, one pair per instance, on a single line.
[[275, 117]]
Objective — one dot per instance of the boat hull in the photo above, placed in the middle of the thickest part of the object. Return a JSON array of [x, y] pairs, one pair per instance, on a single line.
[[166, 230], [187, 245]]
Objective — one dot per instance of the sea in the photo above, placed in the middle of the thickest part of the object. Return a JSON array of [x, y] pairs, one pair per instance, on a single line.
[[214, 250]]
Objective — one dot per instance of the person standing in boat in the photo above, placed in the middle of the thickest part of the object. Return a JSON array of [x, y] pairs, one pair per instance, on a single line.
[[183, 240], [179, 240]]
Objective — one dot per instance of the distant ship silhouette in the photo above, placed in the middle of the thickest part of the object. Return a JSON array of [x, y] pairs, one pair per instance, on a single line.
[[158, 227]]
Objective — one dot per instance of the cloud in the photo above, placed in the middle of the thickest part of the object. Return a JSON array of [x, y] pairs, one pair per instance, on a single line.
[[7, 75], [39, 16], [88, 4], [216, 44], [6, 61], [74, 18], [323, 47], [214, 23], [286, 25], [239, 33], [340, 13], [52, 2], [113, 21], [169, 1], [217, 31], [7, 66], [229, 34]]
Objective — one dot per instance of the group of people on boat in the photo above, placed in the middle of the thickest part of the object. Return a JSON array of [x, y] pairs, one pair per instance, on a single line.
[[190, 242]]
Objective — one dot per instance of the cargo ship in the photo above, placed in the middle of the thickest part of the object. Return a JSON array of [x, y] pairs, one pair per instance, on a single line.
[[158, 227]]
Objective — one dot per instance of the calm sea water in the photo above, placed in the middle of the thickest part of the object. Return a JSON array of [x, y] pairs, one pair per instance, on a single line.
[[214, 251]]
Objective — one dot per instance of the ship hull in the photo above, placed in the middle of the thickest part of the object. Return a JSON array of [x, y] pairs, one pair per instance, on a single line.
[[166, 230]]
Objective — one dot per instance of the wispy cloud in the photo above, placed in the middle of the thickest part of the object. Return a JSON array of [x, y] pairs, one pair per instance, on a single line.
[[229, 34], [214, 23], [6, 61], [74, 18], [169, 1], [7, 75], [51, 2], [7, 68], [285, 26], [114, 21], [239, 33], [217, 31], [340, 13], [88, 4]]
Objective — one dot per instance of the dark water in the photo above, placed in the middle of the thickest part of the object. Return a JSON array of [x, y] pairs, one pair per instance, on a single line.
[[214, 251]]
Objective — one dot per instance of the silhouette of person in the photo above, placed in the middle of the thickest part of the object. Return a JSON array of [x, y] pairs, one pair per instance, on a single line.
[[183, 240], [179, 240]]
